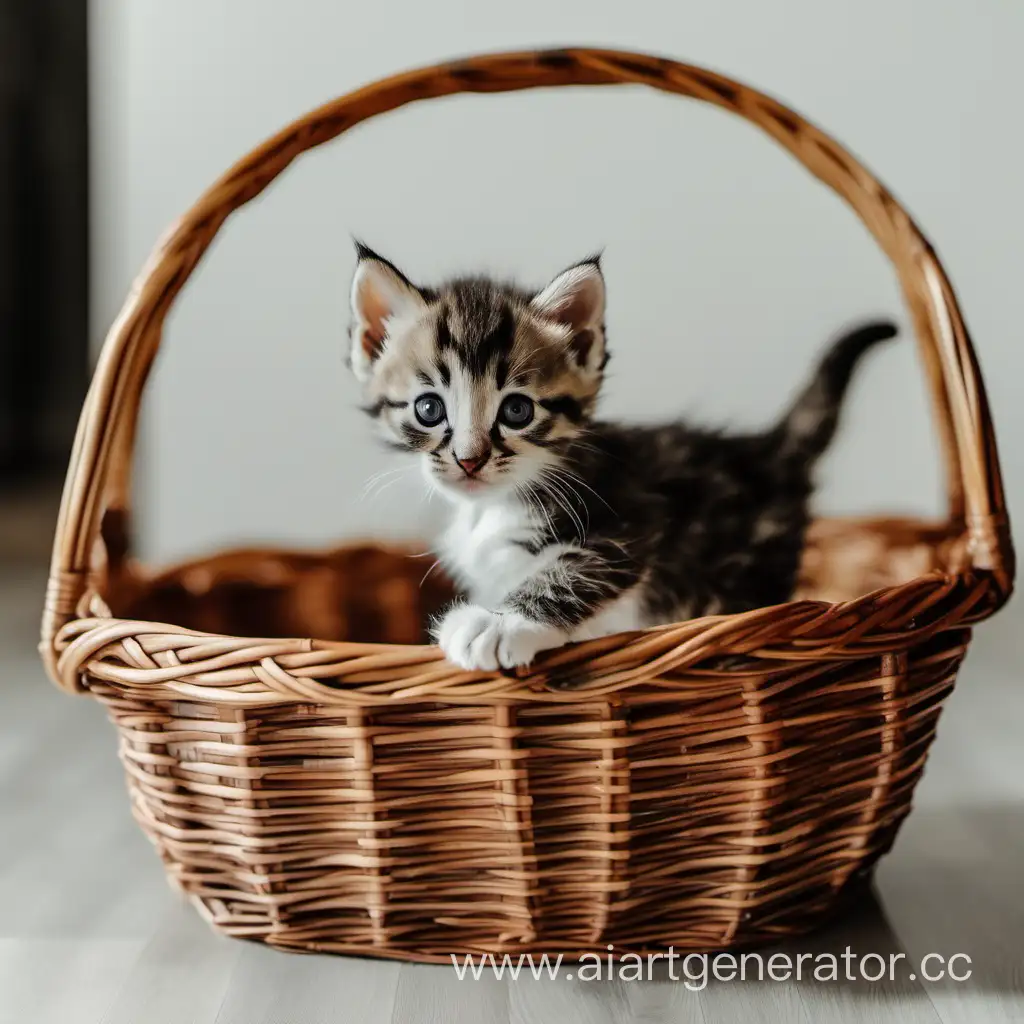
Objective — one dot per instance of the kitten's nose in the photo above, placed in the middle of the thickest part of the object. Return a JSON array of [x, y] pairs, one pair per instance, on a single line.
[[472, 464]]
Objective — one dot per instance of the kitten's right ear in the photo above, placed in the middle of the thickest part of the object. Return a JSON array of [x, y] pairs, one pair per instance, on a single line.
[[380, 294]]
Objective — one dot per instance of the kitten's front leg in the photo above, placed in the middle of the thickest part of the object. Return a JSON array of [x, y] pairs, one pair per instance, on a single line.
[[543, 613]]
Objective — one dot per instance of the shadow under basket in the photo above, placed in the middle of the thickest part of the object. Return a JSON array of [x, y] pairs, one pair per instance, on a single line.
[[716, 783]]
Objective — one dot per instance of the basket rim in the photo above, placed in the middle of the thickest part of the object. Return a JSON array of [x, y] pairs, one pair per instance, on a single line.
[[256, 671]]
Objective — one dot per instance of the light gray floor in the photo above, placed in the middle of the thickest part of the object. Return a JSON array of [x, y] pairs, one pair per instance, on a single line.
[[89, 931]]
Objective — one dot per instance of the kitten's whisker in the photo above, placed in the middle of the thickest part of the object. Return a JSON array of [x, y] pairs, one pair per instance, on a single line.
[[378, 478], [579, 480], [379, 475], [566, 486], [537, 505], [568, 493], [579, 441], [429, 571], [538, 491], [562, 502], [386, 485]]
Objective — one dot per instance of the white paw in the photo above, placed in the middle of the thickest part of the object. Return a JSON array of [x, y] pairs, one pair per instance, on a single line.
[[475, 638]]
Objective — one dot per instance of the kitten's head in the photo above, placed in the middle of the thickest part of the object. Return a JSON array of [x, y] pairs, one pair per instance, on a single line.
[[487, 382]]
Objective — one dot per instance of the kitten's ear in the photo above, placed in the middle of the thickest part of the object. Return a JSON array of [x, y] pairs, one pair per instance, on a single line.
[[380, 293], [575, 299]]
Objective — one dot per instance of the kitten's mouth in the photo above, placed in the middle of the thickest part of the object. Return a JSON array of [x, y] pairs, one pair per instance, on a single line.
[[470, 484], [463, 484]]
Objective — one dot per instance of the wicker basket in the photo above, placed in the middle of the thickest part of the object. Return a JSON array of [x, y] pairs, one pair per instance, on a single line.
[[718, 782]]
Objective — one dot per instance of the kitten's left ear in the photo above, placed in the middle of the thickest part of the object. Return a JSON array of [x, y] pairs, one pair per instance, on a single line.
[[575, 299]]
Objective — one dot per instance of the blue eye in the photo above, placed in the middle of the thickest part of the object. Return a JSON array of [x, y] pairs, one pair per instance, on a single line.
[[429, 410], [516, 411]]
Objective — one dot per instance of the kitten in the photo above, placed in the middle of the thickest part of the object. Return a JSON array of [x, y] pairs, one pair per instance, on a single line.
[[565, 527]]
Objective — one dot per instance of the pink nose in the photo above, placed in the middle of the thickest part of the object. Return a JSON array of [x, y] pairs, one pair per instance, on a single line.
[[473, 463]]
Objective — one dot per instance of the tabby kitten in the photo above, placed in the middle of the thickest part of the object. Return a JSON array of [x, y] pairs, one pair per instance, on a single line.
[[566, 527]]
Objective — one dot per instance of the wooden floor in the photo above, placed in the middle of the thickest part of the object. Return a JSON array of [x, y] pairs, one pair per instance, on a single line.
[[90, 932]]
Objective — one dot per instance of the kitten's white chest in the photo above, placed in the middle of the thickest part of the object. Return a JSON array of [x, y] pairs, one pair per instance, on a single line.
[[484, 549]]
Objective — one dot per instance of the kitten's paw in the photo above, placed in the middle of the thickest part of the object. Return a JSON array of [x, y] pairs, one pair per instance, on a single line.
[[477, 639], [468, 635], [520, 640]]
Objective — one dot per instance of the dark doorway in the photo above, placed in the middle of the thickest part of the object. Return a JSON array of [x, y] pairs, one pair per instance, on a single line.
[[44, 246], [43, 234]]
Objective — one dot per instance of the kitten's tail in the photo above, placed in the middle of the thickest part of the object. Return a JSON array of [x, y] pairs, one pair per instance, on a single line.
[[809, 426]]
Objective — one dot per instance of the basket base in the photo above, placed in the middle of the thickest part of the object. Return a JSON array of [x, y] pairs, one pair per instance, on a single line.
[[851, 901]]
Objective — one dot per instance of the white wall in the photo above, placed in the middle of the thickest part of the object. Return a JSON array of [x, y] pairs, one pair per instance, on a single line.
[[727, 266]]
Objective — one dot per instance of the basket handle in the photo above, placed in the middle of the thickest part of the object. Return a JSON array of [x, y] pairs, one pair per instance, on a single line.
[[97, 489]]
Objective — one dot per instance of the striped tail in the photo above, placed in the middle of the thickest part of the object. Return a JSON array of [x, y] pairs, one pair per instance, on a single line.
[[810, 424]]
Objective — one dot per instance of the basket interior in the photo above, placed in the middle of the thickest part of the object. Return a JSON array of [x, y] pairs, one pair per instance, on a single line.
[[386, 594], [364, 592]]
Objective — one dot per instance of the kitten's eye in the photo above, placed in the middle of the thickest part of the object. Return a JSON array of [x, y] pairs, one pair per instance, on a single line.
[[429, 410], [516, 411]]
